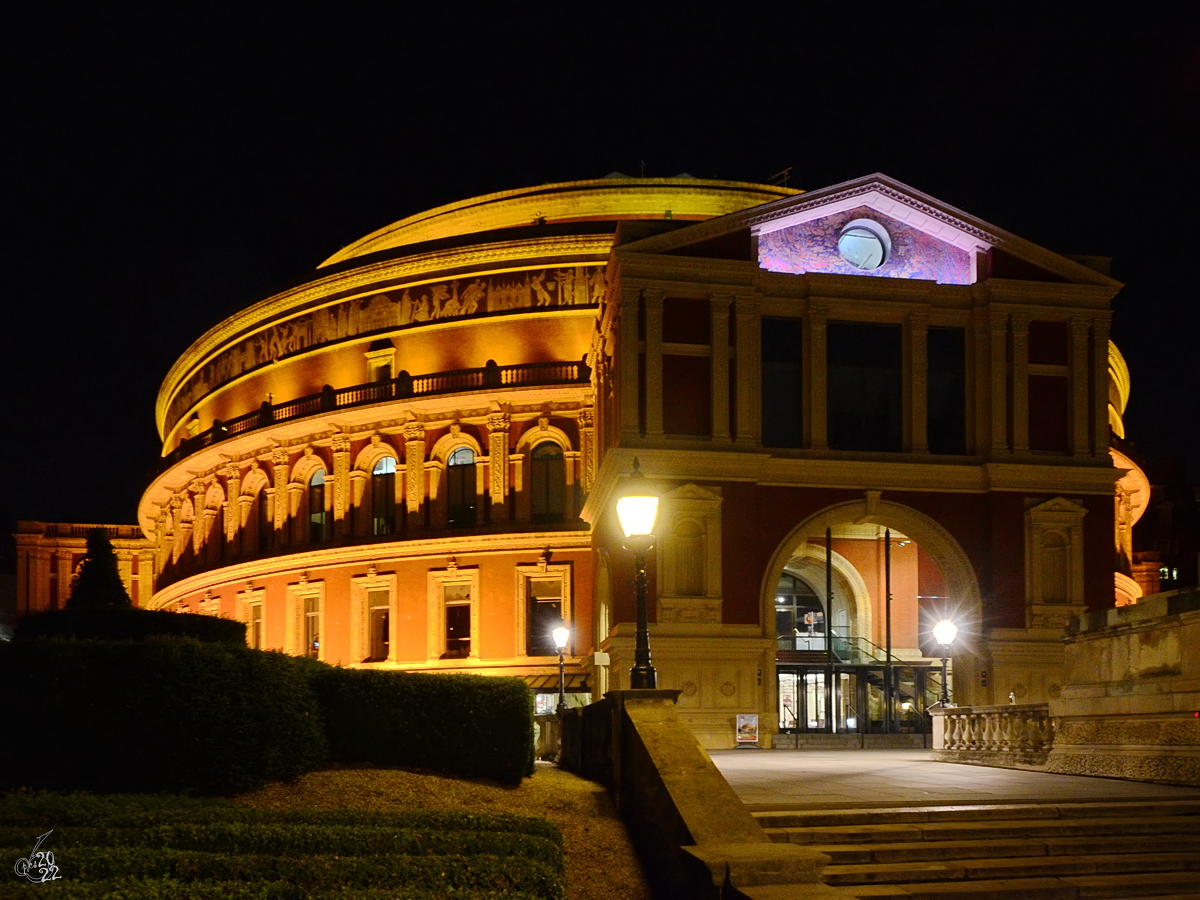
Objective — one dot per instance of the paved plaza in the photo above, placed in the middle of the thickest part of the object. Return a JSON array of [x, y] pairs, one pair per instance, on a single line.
[[781, 779]]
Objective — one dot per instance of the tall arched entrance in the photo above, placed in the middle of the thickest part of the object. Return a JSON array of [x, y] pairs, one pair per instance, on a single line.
[[852, 595]]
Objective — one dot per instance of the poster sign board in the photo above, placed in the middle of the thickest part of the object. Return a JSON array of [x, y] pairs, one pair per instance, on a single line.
[[747, 728]]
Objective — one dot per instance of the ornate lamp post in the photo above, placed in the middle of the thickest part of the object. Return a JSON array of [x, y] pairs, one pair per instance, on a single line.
[[637, 510], [562, 634], [944, 633]]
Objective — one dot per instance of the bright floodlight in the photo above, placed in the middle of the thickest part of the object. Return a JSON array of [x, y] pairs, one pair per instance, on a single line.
[[637, 515], [561, 635], [944, 632]]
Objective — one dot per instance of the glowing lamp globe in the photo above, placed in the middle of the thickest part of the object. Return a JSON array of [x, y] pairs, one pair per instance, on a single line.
[[561, 635], [637, 515], [944, 632]]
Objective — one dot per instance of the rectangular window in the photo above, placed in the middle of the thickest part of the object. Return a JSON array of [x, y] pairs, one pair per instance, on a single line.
[[544, 614], [782, 384], [379, 621], [947, 390], [865, 397], [254, 629], [458, 625], [312, 626]]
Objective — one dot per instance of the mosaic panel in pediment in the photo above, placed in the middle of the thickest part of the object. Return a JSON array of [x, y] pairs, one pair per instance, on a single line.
[[813, 247], [393, 309]]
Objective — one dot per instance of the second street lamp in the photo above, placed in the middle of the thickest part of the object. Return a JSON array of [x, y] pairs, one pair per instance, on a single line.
[[561, 634], [944, 632], [637, 509]]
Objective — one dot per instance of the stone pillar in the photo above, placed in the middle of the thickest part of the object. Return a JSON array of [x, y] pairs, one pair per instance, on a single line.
[[1080, 388], [918, 367], [200, 517], [1020, 383], [147, 571], [997, 365], [587, 447], [39, 579], [818, 378], [341, 484], [414, 471], [65, 571], [178, 534], [748, 354], [233, 515], [1099, 375], [498, 484], [627, 374], [719, 304], [654, 363], [978, 384], [279, 505], [125, 567]]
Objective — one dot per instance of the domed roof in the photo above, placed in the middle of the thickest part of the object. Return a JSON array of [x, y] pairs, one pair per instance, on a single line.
[[601, 199]]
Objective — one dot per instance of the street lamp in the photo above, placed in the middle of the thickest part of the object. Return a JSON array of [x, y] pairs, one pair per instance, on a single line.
[[636, 511], [561, 635], [944, 633]]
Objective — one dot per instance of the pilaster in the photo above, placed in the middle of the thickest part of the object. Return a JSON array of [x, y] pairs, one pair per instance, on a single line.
[[918, 369], [341, 484], [1020, 383], [146, 576], [279, 460], [1099, 398], [1080, 389], [64, 573], [627, 377], [748, 355], [414, 470], [499, 424], [232, 506], [587, 447], [816, 367], [719, 304], [654, 363], [997, 364]]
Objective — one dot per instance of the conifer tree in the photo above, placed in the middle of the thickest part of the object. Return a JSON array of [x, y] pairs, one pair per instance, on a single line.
[[97, 584]]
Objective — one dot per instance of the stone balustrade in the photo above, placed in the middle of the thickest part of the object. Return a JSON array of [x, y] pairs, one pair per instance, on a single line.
[[1016, 735]]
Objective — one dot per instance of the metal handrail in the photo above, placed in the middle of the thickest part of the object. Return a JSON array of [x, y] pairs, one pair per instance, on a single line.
[[403, 387]]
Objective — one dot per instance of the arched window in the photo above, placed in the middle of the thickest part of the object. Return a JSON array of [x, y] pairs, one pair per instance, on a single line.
[[798, 612], [547, 478], [383, 496], [460, 488], [316, 508]]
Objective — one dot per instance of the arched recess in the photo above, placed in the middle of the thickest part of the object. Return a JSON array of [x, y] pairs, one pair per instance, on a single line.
[[214, 523], [299, 493], [547, 481], [465, 506], [962, 585], [255, 517], [365, 493], [849, 589]]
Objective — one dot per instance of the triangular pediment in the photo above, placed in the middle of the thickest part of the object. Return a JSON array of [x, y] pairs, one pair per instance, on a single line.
[[924, 238], [691, 492]]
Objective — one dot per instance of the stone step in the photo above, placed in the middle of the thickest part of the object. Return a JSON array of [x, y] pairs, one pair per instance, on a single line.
[[1162, 886], [1011, 868], [985, 830], [884, 816], [851, 854]]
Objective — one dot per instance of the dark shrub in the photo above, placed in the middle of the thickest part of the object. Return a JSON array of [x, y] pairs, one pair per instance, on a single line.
[[130, 625], [460, 724], [163, 715]]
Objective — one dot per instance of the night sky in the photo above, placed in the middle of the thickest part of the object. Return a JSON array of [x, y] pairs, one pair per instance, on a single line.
[[171, 165]]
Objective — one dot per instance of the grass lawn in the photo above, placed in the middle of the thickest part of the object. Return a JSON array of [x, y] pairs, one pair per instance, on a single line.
[[346, 833]]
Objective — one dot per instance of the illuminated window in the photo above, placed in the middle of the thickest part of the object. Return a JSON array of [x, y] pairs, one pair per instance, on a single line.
[[460, 488], [371, 617], [312, 627], [453, 610], [544, 603], [547, 478], [457, 600], [378, 623], [383, 496], [799, 614], [254, 628], [305, 619], [316, 508]]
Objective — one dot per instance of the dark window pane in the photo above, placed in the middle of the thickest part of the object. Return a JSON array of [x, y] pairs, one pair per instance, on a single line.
[[947, 394], [782, 396], [458, 631], [865, 387], [547, 478]]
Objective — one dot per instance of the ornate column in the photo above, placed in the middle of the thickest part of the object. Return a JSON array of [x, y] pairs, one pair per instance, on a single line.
[[64, 573], [1080, 388], [818, 378], [654, 363], [748, 354], [279, 505], [998, 366], [341, 484], [414, 470], [918, 366], [201, 519], [147, 571], [719, 305], [498, 423], [1020, 383], [1099, 374], [233, 511], [179, 534], [587, 448], [627, 374]]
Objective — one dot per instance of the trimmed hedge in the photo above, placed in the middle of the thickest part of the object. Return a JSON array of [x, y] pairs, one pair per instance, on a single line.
[[474, 725], [162, 715], [129, 625]]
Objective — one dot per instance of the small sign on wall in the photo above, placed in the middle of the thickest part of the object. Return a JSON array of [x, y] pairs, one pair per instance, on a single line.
[[747, 728]]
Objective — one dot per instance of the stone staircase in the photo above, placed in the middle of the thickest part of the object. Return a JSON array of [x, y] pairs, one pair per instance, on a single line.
[[1049, 851]]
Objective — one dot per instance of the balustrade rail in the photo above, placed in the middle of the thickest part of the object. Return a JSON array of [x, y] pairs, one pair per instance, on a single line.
[[1018, 735], [403, 387]]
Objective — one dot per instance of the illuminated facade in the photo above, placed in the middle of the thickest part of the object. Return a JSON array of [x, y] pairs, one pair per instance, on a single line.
[[410, 461]]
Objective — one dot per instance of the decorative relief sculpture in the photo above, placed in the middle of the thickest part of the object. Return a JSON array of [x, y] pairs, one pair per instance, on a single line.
[[545, 288]]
